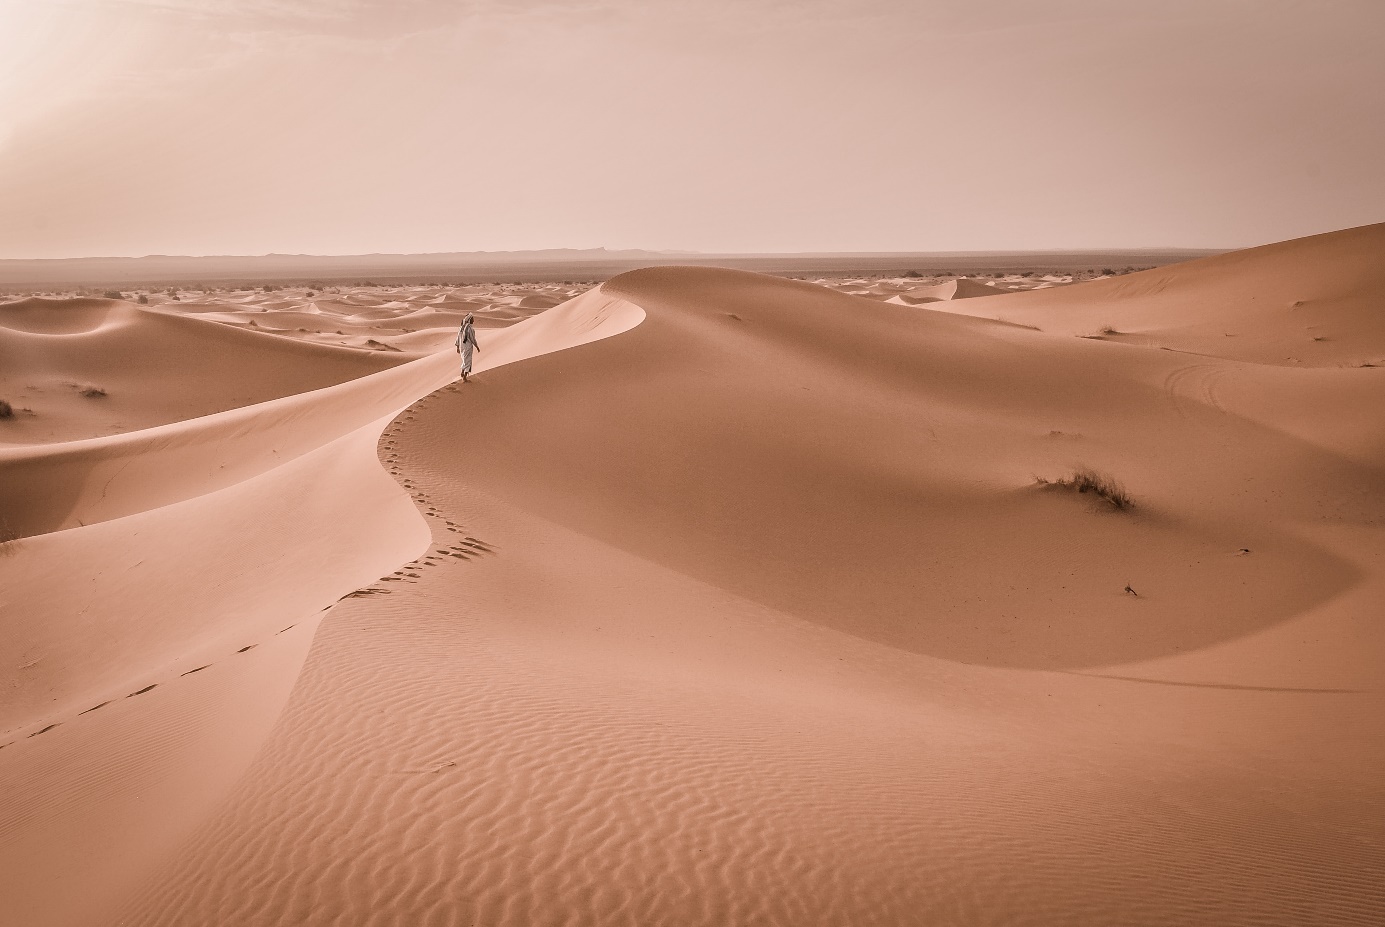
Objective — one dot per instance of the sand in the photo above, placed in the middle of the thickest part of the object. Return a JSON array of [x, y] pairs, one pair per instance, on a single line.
[[713, 598]]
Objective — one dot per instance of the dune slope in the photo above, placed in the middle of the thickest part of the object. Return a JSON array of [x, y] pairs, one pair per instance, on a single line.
[[1312, 302], [85, 368], [159, 590]]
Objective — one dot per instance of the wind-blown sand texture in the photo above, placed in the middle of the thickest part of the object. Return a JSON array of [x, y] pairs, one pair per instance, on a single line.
[[724, 599]]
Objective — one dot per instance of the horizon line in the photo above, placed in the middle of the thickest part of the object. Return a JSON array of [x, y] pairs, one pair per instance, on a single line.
[[671, 252]]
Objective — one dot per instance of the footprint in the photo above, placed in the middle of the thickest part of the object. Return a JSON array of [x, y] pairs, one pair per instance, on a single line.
[[247, 647], [44, 730], [198, 670], [94, 707], [142, 691]]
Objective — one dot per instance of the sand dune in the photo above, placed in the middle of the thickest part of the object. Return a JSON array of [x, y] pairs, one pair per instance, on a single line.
[[961, 288], [723, 599], [124, 357], [1312, 302]]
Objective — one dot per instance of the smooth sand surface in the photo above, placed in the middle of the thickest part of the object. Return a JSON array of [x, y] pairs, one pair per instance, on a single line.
[[713, 598]]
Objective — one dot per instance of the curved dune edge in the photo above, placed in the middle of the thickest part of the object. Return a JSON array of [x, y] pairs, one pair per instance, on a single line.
[[147, 655], [265, 479], [53, 487], [876, 464]]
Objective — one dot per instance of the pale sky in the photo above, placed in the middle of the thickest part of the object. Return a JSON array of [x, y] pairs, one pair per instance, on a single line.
[[131, 127]]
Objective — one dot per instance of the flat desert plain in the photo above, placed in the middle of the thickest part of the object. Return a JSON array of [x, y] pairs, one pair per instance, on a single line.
[[713, 598]]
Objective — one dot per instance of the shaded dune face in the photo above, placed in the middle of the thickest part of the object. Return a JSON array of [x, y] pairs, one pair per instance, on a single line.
[[870, 467]]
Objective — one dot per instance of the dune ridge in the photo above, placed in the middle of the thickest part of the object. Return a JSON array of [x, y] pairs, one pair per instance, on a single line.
[[167, 560]]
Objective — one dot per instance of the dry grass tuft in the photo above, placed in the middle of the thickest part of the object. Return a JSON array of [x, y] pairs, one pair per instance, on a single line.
[[91, 392], [1085, 479], [6, 410]]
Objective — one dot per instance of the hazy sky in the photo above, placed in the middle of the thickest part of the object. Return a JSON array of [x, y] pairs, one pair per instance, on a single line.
[[348, 126]]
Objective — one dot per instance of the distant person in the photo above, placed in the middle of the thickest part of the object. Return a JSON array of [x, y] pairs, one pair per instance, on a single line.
[[466, 343]]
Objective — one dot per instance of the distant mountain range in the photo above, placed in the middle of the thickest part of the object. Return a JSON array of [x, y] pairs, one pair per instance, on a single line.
[[523, 266]]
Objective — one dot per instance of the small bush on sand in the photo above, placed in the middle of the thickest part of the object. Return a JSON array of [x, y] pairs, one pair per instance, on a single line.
[[6, 410], [92, 392], [143, 300], [1085, 479], [113, 294]]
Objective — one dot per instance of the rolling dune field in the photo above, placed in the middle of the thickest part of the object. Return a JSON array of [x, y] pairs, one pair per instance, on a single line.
[[713, 598]]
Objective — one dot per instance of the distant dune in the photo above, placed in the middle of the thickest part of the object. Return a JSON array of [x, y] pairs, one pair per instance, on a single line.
[[713, 598]]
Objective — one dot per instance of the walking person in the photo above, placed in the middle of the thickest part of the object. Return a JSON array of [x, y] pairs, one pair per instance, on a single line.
[[466, 343]]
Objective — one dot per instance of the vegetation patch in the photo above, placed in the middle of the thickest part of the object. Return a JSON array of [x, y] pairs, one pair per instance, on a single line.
[[1101, 485]]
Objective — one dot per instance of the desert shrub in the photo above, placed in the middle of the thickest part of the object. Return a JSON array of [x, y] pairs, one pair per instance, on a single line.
[[1107, 330], [113, 294], [92, 392], [142, 300], [912, 274], [6, 410], [1104, 486]]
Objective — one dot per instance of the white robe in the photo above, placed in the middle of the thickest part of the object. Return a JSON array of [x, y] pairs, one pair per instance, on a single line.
[[466, 341]]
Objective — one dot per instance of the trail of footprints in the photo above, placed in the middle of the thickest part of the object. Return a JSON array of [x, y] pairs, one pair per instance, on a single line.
[[466, 548], [148, 688]]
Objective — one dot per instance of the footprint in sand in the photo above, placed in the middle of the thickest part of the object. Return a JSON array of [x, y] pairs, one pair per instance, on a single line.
[[142, 691]]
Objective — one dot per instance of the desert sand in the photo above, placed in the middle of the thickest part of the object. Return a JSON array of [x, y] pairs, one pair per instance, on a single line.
[[713, 598]]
